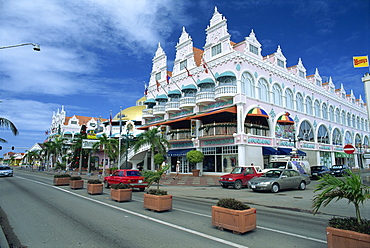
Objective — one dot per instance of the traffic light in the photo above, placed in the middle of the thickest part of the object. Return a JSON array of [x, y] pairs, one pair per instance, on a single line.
[[12, 147]]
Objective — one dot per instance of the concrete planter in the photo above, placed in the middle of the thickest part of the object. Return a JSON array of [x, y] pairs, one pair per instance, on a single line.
[[121, 195], [238, 221], [158, 202], [76, 184], [94, 189], [339, 238], [60, 181]]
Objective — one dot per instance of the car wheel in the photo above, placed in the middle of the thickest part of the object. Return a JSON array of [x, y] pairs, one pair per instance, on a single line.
[[302, 186], [275, 188], [238, 184], [106, 184]]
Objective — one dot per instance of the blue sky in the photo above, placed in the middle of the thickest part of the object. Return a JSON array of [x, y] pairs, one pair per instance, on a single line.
[[96, 55]]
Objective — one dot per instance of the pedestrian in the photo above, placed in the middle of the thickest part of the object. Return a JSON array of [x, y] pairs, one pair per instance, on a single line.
[[177, 171], [163, 176]]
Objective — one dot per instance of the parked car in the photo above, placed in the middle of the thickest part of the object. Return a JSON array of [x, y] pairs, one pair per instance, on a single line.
[[299, 165], [6, 171], [240, 176], [278, 179], [131, 177], [318, 171], [339, 170]]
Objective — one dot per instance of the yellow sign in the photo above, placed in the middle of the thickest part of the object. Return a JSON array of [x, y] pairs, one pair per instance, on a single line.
[[360, 61]]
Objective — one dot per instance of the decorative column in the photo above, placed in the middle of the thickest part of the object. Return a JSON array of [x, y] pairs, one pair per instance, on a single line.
[[366, 80]]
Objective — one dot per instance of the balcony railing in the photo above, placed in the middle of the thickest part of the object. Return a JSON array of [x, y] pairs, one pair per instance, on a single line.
[[159, 110], [205, 97], [225, 91], [148, 112], [172, 106], [256, 129], [179, 134], [215, 129], [187, 102]]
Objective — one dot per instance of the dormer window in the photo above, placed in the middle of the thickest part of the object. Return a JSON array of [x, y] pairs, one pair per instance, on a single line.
[[318, 82], [253, 49], [216, 49], [301, 74], [183, 65], [73, 122], [158, 76], [279, 62]]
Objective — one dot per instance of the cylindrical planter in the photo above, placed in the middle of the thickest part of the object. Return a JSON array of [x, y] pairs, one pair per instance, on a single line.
[[95, 189], [60, 181], [121, 195], [195, 173], [76, 184], [238, 221], [158, 202]]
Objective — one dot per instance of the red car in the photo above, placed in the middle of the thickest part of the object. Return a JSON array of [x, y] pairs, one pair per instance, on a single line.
[[128, 176], [240, 176]]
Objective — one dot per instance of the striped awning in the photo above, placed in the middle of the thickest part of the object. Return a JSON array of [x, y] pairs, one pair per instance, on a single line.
[[285, 119], [258, 112]]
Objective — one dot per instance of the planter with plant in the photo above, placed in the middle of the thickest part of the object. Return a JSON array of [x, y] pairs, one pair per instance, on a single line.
[[156, 199], [195, 157], [344, 232], [120, 192], [61, 179], [234, 215], [76, 182], [94, 187]]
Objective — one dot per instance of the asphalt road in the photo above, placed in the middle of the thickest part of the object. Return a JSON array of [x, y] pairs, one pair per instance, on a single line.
[[43, 215]]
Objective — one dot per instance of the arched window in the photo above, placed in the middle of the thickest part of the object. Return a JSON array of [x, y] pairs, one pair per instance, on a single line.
[[306, 132], [349, 119], [348, 138], [331, 113], [308, 106], [263, 92], [343, 118], [277, 95], [317, 109], [299, 103], [337, 137], [337, 116], [353, 121], [324, 111], [358, 122], [289, 99], [248, 81], [323, 135]]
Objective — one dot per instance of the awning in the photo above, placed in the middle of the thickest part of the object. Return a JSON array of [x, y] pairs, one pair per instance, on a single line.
[[188, 87], [226, 74], [173, 92], [269, 151], [163, 96], [288, 151], [257, 112], [285, 119], [231, 109], [178, 152], [343, 155], [206, 81], [149, 101]]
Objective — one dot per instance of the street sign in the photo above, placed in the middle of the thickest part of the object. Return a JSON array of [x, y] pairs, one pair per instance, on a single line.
[[349, 149]]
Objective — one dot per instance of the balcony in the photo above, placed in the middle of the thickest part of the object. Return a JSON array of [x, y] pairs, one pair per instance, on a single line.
[[159, 110], [256, 129], [179, 134], [225, 91], [218, 129], [148, 113], [172, 106], [205, 97], [187, 102]]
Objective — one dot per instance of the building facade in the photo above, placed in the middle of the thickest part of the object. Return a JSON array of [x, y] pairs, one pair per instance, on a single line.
[[239, 107]]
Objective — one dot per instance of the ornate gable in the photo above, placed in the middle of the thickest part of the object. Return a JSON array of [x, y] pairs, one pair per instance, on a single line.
[[184, 54]]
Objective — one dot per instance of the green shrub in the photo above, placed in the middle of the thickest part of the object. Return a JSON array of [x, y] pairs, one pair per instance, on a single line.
[[232, 204], [350, 224], [61, 175], [76, 178], [94, 181], [120, 186], [156, 192]]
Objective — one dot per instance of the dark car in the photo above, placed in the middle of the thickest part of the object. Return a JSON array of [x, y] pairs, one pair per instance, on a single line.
[[339, 170], [6, 171], [318, 171]]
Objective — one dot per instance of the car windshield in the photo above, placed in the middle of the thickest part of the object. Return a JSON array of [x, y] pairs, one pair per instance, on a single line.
[[5, 168], [237, 170], [133, 173], [272, 174], [317, 168]]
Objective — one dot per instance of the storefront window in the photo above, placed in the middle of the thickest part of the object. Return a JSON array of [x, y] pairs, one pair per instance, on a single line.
[[220, 159]]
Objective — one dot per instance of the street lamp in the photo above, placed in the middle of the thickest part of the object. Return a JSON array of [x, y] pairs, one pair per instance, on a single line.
[[36, 47], [128, 137]]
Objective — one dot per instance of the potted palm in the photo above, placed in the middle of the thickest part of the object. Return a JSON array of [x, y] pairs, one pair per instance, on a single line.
[[344, 232], [94, 187], [76, 182], [61, 179], [156, 199], [120, 192], [234, 215], [194, 157]]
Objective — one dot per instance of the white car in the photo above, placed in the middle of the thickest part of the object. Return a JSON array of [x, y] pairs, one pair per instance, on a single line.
[[6, 171]]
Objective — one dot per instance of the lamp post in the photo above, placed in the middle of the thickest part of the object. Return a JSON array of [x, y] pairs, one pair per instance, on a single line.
[[36, 47], [128, 137]]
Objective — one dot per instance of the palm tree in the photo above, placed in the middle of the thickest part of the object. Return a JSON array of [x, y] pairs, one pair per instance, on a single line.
[[48, 149], [7, 124], [350, 188], [109, 145], [32, 155], [155, 140]]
